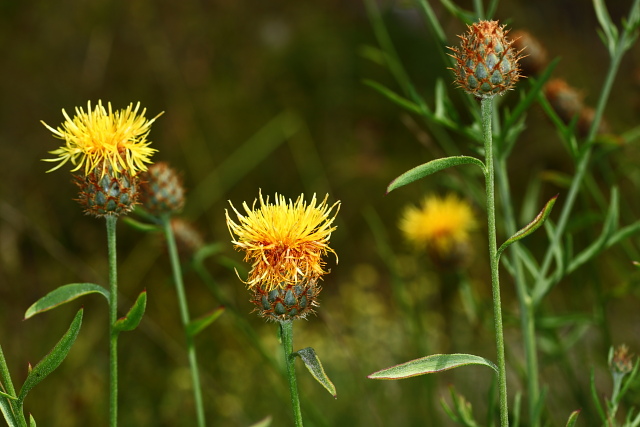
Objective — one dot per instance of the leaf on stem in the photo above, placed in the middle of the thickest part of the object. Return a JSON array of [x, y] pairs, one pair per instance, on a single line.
[[265, 422], [64, 294], [432, 167], [142, 226], [32, 421], [197, 325], [573, 418], [429, 365], [134, 316], [394, 97], [311, 361], [52, 360], [531, 227]]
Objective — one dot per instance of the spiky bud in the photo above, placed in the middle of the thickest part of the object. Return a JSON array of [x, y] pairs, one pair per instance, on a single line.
[[289, 302], [104, 193], [188, 238], [162, 191], [486, 62]]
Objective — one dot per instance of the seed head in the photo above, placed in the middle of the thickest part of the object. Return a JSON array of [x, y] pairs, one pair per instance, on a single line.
[[486, 62]]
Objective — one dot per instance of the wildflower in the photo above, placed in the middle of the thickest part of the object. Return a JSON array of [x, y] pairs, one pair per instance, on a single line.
[[440, 225], [103, 138], [486, 63], [285, 241], [162, 190], [110, 148]]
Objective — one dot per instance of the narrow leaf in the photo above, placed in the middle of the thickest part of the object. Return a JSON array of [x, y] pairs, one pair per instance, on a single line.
[[32, 421], [134, 316], [52, 360], [394, 97], [265, 422], [532, 226], [8, 412], [196, 326], [311, 361], [64, 294], [573, 418], [142, 226], [430, 365], [432, 167]]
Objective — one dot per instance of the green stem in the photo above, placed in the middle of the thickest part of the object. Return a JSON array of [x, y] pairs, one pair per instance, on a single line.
[[525, 302], [184, 316], [113, 317], [286, 335], [543, 284], [487, 112]]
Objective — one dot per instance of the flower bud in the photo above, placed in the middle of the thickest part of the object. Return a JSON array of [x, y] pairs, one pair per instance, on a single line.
[[486, 62], [102, 192]]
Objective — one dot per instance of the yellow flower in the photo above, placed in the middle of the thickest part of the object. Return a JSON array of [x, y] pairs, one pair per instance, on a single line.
[[285, 240], [103, 138], [439, 224]]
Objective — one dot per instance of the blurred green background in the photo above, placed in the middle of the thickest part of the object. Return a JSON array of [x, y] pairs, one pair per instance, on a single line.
[[269, 95]]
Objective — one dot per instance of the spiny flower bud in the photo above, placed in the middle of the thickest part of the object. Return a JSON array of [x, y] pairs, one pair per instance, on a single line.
[[102, 192], [486, 63], [188, 238], [621, 361], [162, 191]]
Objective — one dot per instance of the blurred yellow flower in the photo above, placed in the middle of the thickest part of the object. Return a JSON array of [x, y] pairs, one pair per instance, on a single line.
[[103, 138], [439, 223], [285, 240]]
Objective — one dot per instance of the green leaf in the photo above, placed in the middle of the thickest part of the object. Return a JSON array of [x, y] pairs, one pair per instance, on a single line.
[[9, 413], [311, 361], [532, 226], [206, 251], [573, 418], [142, 226], [394, 97], [134, 316], [430, 365], [52, 360], [32, 421], [196, 326], [432, 167], [265, 422], [64, 294]]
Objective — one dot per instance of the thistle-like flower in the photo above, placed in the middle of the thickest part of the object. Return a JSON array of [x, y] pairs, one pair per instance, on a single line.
[[285, 241], [442, 226], [110, 148], [486, 62], [103, 138]]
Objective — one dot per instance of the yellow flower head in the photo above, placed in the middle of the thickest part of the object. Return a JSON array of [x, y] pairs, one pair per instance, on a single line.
[[440, 223], [285, 240], [103, 138]]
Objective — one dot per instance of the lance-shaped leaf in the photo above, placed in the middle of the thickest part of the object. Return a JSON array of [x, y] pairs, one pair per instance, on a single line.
[[134, 316], [573, 418], [197, 325], [311, 361], [9, 410], [64, 294], [394, 97], [531, 227], [432, 167], [52, 360], [32, 421], [431, 364]]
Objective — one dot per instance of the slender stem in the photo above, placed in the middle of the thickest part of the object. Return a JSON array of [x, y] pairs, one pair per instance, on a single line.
[[487, 111], [184, 316], [543, 283], [113, 317], [527, 308], [286, 335]]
